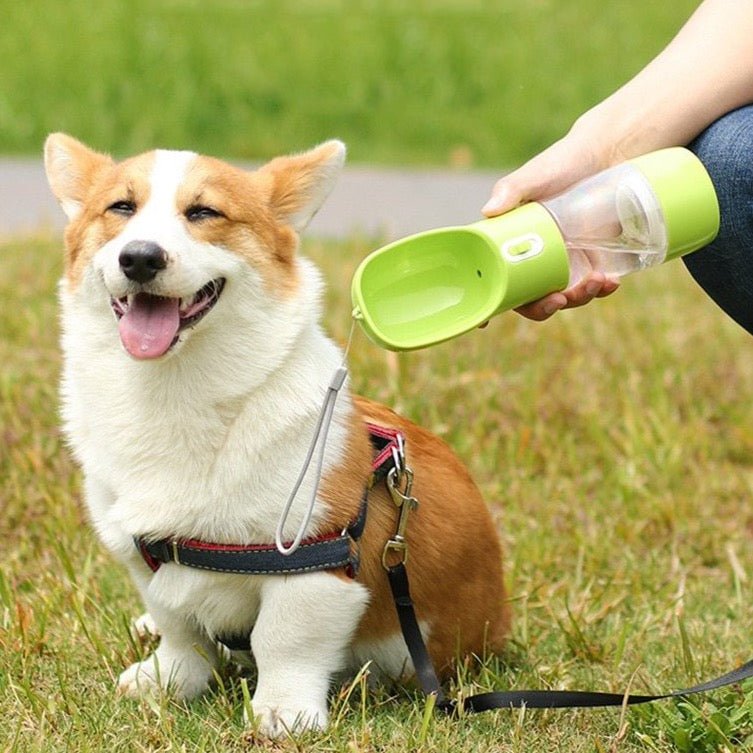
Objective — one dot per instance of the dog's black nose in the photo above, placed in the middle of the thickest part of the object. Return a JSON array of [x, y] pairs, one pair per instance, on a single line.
[[141, 260]]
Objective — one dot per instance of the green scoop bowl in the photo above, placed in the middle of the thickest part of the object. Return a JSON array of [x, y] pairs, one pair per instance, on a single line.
[[436, 285]]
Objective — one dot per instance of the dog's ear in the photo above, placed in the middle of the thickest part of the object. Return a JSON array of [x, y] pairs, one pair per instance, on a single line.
[[301, 182], [70, 168]]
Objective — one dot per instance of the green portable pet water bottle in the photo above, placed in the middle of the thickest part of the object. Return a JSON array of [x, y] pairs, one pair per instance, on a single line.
[[438, 284]]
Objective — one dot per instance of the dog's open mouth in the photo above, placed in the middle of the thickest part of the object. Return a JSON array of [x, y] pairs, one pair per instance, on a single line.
[[149, 324]]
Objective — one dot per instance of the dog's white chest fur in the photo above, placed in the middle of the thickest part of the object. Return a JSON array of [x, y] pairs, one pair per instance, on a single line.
[[192, 452]]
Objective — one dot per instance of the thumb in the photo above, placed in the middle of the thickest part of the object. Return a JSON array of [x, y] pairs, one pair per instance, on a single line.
[[506, 194], [530, 182], [556, 168]]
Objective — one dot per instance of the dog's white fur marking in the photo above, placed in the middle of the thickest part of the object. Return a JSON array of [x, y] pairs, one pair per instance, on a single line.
[[311, 618]]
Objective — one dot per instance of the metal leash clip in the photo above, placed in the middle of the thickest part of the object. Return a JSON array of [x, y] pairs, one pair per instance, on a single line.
[[399, 483]]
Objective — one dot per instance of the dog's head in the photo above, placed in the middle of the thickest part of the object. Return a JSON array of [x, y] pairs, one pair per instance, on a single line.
[[171, 243]]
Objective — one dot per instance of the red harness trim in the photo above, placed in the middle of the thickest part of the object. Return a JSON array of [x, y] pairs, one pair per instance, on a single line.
[[152, 563], [209, 547], [387, 442]]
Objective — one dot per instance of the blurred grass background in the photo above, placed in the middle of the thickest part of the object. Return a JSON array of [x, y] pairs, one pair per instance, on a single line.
[[460, 82]]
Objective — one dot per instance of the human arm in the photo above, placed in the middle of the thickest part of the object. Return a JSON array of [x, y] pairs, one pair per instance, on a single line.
[[704, 72]]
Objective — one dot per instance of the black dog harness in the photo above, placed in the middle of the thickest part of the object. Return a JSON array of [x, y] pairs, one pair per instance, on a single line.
[[331, 551], [334, 551], [327, 552]]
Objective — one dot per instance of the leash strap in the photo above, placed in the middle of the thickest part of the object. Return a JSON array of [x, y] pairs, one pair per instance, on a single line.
[[558, 699], [513, 699], [425, 674]]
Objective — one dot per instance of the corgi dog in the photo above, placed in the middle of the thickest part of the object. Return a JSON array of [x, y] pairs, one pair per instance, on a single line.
[[194, 372]]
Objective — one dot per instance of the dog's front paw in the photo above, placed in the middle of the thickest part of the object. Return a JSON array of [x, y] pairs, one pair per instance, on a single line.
[[138, 680], [184, 679], [274, 721], [145, 627]]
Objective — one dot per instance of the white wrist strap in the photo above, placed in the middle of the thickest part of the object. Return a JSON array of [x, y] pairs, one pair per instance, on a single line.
[[320, 437]]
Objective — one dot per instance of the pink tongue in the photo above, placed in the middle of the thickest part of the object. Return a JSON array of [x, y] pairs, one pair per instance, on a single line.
[[149, 326]]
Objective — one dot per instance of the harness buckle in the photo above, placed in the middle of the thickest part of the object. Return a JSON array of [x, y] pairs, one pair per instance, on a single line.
[[174, 551], [397, 546], [394, 548]]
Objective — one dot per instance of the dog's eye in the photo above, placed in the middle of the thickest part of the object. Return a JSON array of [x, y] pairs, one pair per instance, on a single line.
[[124, 207], [198, 212]]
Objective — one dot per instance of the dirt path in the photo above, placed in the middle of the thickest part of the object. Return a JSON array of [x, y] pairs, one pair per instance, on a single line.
[[385, 203]]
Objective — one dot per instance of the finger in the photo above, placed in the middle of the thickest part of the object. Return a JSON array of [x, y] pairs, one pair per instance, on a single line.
[[594, 285], [609, 286], [544, 307], [548, 173], [584, 292]]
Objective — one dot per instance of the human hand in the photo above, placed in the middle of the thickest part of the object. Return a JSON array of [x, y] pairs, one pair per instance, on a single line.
[[567, 161]]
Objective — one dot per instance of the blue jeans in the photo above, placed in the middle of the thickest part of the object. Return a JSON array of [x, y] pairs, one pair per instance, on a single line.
[[724, 268]]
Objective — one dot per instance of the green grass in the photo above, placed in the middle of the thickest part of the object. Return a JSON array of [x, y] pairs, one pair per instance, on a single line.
[[613, 444], [435, 82]]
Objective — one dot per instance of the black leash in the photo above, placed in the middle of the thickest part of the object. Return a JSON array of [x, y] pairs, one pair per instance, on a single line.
[[514, 699]]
